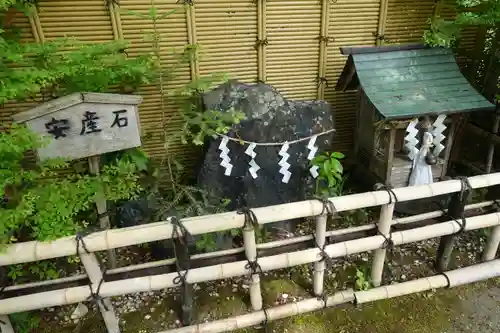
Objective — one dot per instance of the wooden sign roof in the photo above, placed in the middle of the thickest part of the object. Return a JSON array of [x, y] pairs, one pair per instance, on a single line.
[[410, 80]]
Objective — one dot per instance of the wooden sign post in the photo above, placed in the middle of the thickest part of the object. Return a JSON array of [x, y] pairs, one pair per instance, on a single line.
[[86, 125]]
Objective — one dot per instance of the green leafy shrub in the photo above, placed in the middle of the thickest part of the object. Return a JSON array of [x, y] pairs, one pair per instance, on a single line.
[[330, 181], [27, 69], [445, 32], [362, 280], [25, 322], [37, 207]]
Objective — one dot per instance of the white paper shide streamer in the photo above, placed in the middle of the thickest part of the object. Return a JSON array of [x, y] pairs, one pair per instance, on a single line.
[[224, 155], [284, 164], [438, 128], [254, 167], [411, 139], [313, 150]]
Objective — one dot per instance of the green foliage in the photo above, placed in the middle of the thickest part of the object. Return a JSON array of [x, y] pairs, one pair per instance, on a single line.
[[470, 12], [43, 270], [24, 322], [441, 33], [362, 280], [58, 67], [27, 69], [330, 173], [355, 217], [21, 5], [37, 207], [198, 125]]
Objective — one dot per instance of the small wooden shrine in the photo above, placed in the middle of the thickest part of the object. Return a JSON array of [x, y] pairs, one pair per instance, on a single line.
[[403, 92]]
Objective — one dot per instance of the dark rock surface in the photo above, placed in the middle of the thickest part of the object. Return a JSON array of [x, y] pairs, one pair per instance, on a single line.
[[270, 118]]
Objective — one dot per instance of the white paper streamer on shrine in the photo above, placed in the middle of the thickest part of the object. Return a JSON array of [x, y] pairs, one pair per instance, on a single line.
[[313, 150], [254, 167], [438, 128], [224, 155], [411, 140], [284, 164]]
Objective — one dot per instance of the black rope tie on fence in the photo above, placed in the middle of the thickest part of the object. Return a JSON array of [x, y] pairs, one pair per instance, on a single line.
[[355, 300], [180, 232], [260, 42], [324, 298], [328, 206], [325, 39], [496, 203], [390, 191], [251, 221], [465, 189], [322, 80], [102, 215], [94, 295], [388, 242], [186, 2]]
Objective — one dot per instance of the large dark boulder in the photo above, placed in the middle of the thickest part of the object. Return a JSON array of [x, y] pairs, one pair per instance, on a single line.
[[270, 118]]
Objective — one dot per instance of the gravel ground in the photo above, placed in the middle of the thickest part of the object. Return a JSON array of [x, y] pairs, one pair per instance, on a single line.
[[480, 312]]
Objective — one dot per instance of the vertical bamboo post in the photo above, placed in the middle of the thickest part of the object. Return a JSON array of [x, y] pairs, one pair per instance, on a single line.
[[94, 273], [102, 209], [491, 248], [36, 26], [384, 228], [251, 254], [491, 148], [319, 266], [6, 325], [192, 38], [261, 36], [382, 18], [323, 42], [116, 24]]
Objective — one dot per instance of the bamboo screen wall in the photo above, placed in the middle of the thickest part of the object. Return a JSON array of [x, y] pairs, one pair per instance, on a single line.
[[298, 53]]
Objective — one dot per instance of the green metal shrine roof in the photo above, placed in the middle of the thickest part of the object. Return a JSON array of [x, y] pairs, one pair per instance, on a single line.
[[410, 80]]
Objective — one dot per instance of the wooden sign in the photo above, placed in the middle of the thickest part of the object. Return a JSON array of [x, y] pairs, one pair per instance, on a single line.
[[85, 124]]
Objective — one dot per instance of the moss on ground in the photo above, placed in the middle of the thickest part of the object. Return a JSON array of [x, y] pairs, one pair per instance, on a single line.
[[419, 313], [427, 312]]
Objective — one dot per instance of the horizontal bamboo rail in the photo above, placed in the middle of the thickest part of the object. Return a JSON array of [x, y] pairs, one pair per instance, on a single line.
[[115, 238], [450, 279], [230, 270], [346, 242], [263, 246]]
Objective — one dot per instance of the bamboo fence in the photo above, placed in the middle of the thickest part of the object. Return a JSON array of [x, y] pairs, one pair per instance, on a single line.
[[100, 290]]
